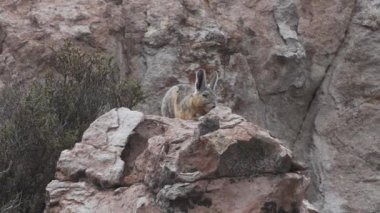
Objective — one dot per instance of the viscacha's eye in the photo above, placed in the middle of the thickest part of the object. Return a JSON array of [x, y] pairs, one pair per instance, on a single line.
[[205, 95]]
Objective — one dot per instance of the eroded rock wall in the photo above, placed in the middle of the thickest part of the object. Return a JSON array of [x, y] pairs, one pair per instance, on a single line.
[[308, 71], [271, 55], [341, 136]]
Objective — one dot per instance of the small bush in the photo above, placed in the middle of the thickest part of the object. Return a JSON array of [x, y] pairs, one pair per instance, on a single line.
[[50, 117]]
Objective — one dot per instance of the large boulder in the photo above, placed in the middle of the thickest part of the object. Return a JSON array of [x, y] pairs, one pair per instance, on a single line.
[[127, 162]]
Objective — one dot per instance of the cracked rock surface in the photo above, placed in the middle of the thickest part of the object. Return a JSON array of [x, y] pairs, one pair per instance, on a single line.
[[97, 157], [341, 135], [168, 165], [307, 71]]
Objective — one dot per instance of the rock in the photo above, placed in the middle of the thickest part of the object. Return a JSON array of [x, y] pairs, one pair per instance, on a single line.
[[97, 157], [309, 208], [297, 68], [261, 194], [221, 163], [340, 137], [84, 197], [271, 72], [239, 150], [208, 124]]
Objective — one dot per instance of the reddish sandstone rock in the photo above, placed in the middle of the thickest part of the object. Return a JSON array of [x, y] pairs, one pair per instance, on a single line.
[[127, 162], [305, 70]]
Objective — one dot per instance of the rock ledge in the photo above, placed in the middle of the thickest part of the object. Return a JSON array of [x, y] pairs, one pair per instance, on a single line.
[[128, 162]]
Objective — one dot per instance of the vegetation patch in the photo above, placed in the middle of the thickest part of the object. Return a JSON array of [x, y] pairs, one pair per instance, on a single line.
[[37, 124]]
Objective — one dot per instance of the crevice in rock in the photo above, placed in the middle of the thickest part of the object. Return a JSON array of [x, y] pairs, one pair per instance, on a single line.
[[136, 145], [80, 175], [192, 200], [244, 159], [327, 72], [116, 2], [309, 116], [3, 35], [273, 207]]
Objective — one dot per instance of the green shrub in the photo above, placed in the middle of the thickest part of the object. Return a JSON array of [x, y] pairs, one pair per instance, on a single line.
[[50, 117]]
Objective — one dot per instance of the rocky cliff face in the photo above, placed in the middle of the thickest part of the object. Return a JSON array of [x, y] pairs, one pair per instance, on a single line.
[[128, 162], [306, 70]]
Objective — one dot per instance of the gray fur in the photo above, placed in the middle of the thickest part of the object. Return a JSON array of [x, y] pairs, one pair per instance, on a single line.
[[187, 102]]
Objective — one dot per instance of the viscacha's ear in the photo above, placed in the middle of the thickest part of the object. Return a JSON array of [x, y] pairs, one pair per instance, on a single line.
[[214, 81], [200, 83]]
